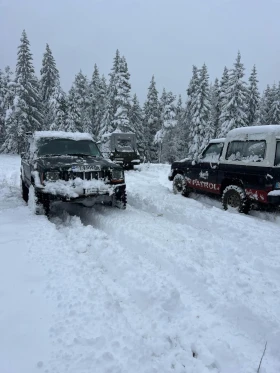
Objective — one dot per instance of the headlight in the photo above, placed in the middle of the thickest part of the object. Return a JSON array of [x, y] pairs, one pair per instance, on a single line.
[[117, 174], [51, 176], [277, 185]]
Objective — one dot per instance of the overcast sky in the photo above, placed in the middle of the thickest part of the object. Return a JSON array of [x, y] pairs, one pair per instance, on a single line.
[[159, 37]]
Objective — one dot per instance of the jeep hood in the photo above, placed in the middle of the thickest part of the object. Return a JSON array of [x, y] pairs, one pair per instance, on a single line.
[[178, 164], [67, 162]]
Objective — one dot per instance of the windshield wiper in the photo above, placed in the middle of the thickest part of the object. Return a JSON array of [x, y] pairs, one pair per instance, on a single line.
[[49, 155], [80, 154]]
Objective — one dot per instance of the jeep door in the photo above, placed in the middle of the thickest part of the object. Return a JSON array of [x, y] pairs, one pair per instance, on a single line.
[[204, 174], [244, 161]]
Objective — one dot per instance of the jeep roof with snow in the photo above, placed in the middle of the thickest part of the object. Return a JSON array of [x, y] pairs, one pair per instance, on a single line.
[[69, 167], [243, 168]]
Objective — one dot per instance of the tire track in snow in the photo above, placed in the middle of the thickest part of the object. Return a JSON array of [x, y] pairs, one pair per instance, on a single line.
[[109, 221], [97, 295], [149, 303]]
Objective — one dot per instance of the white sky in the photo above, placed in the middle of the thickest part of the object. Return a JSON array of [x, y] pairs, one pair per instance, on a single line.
[[158, 37]]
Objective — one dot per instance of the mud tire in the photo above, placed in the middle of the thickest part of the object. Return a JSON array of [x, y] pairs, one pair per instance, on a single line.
[[235, 197]]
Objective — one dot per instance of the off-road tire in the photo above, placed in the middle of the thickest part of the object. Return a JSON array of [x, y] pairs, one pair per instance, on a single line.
[[179, 185], [235, 197], [24, 191], [120, 201], [43, 204]]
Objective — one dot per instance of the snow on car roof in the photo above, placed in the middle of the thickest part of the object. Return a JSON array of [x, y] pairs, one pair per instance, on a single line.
[[253, 130], [62, 135], [214, 141]]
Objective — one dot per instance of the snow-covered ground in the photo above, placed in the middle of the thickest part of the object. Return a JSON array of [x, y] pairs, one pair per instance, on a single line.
[[171, 284]]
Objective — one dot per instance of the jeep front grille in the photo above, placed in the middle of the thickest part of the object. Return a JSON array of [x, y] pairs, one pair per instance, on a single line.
[[87, 175]]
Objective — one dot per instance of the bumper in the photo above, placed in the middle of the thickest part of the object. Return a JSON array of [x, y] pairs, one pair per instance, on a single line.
[[274, 200], [170, 175], [98, 197], [123, 160]]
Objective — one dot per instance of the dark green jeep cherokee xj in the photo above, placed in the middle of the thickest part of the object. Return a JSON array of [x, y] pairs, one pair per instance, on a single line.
[[69, 167]]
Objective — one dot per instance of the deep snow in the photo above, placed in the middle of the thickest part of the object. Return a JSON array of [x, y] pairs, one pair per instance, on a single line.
[[171, 284]]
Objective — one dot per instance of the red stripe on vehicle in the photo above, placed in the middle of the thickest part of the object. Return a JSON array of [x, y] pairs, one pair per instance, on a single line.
[[204, 185], [257, 194]]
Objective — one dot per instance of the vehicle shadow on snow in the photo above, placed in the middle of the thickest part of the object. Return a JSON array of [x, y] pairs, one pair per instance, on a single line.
[[214, 201], [61, 211]]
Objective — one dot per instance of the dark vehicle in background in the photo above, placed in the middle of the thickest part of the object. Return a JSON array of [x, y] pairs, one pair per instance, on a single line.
[[243, 168], [68, 167], [121, 148]]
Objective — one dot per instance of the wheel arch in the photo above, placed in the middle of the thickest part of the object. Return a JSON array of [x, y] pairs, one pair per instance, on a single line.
[[175, 172], [231, 181]]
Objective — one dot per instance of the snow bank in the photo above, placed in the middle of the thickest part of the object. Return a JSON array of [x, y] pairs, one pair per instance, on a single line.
[[60, 134], [74, 189], [171, 284], [274, 193]]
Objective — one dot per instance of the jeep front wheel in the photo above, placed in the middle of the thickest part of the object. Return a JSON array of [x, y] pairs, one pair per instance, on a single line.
[[234, 197], [179, 185]]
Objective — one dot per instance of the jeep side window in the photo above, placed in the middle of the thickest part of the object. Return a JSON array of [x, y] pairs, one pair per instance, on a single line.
[[277, 154], [254, 151], [235, 151], [212, 153], [248, 151]]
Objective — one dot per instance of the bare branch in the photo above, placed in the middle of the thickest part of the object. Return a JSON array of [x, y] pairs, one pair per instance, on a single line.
[[262, 357]]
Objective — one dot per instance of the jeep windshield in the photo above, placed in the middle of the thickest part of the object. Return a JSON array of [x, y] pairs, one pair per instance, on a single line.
[[58, 147], [124, 145]]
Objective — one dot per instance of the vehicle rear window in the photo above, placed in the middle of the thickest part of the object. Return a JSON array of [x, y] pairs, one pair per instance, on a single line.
[[246, 151], [277, 154], [212, 153]]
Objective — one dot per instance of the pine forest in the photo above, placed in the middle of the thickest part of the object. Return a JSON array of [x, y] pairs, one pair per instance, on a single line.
[[167, 126]]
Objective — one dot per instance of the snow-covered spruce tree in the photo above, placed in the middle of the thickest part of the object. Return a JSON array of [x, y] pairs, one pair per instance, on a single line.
[[165, 137], [191, 91], [200, 126], [7, 94], [49, 88], [266, 104], [181, 131], [223, 95], [101, 107], [26, 111], [215, 107], [97, 100], [107, 119], [235, 103], [2, 110], [274, 113], [79, 114], [110, 102], [60, 121], [136, 120], [253, 99], [151, 122], [49, 75], [122, 98]]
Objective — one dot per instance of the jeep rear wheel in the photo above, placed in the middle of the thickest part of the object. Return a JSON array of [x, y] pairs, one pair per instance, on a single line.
[[24, 192], [179, 185], [234, 197]]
